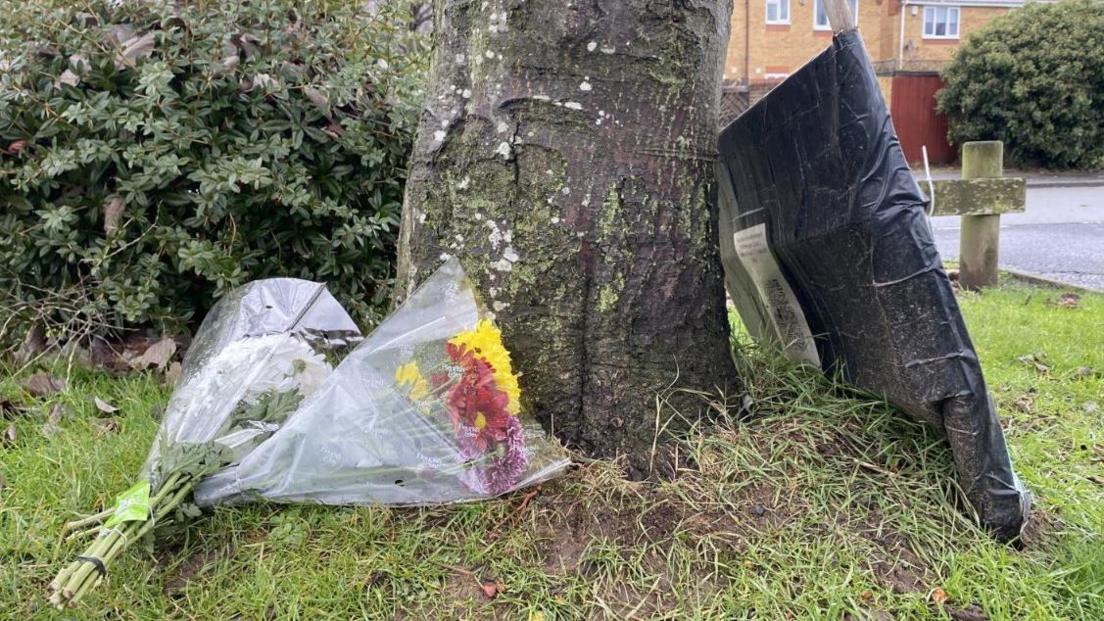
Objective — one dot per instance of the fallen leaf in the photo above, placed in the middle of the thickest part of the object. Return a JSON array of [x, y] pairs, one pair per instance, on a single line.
[[119, 34], [46, 50], [264, 81], [112, 213], [1099, 480], [249, 43], [1083, 372], [1024, 403], [43, 384], [156, 355], [231, 60], [53, 420], [79, 63], [970, 613], [107, 356], [491, 588], [172, 374], [319, 99], [9, 435], [376, 578], [9, 408], [69, 78], [939, 596], [104, 406], [1069, 300], [15, 147], [1036, 361], [105, 425], [747, 406], [133, 48], [34, 343]]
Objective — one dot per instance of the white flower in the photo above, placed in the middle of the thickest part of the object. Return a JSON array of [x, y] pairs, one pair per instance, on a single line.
[[243, 371], [279, 363]]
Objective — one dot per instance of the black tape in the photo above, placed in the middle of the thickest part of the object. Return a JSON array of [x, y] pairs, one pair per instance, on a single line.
[[100, 567], [818, 164]]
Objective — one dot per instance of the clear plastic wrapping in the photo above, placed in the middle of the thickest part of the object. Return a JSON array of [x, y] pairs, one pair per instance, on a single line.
[[260, 351], [425, 411]]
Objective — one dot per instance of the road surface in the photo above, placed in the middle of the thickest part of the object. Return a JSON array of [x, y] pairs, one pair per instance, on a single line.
[[1060, 236]]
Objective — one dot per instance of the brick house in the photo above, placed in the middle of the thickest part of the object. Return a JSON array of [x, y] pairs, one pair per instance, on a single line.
[[909, 41]]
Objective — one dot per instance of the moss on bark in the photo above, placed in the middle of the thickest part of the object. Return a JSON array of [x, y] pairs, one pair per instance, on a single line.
[[565, 156]]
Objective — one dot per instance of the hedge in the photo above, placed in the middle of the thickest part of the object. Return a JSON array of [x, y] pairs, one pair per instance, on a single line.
[[155, 154], [1033, 78]]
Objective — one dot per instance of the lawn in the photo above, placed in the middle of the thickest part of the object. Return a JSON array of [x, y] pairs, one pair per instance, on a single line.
[[823, 505]]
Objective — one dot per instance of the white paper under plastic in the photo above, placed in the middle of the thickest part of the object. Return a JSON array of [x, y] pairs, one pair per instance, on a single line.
[[362, 439], [783, 310]]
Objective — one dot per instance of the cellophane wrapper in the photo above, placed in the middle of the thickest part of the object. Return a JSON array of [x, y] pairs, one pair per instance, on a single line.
[[271, 339], [425, 411]]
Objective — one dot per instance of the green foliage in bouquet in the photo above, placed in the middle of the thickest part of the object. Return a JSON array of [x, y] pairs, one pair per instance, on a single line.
[[1034, 79], [154, 155]]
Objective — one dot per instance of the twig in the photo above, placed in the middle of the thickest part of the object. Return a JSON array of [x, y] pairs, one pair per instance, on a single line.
[[494, 534]]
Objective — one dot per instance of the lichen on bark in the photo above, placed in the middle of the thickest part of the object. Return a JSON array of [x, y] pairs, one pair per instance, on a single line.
[[565, 156]]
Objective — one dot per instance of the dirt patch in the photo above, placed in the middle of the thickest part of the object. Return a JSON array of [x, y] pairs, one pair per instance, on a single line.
[[899, 577], [893, 563], [463, 585], [195, 566], [636, 515], [762, 505], [968, 613], [563, 552], [1041, 530]]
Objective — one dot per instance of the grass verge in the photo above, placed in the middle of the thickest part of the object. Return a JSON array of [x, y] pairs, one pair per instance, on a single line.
[[825, 505]]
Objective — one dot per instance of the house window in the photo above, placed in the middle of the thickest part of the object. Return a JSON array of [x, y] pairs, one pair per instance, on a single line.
[[940, 22], [778, 11], [820, 16]]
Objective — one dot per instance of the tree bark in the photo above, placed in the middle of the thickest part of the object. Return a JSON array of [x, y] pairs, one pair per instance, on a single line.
[[565, 156]]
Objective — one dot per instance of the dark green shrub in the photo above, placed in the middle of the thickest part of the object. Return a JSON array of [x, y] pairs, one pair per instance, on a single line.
[[154, 154], [1035, 79]]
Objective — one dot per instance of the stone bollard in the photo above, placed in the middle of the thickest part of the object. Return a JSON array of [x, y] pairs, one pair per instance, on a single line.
[[978, 250]]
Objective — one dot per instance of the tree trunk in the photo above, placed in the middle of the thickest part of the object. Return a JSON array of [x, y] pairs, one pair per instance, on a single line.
[[565, 155]]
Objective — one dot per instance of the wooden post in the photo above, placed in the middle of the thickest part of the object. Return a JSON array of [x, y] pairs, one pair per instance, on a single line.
[[978, 247], [840, 16]]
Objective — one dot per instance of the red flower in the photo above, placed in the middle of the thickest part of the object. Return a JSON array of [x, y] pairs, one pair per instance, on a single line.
[[15, 147], [476, 402]]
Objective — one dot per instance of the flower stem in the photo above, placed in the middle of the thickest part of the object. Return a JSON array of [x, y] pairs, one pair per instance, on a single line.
[[77, 579], [92, 519]]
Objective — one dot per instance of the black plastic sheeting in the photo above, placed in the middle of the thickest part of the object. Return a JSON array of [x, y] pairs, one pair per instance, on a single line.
[[824, 235]]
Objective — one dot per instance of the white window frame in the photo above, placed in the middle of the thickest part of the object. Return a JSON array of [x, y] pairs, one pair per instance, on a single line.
[[827, 24], [783, 7], [933, 11]]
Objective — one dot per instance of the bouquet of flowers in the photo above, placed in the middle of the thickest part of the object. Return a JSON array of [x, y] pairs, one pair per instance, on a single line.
[[427, 410], [258, 354]]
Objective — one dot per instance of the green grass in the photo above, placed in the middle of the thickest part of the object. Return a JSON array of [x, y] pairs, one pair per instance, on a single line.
[[823, 506]]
